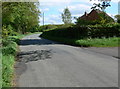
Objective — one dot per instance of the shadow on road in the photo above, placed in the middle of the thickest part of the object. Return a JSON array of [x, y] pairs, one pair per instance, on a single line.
[[40, 41]]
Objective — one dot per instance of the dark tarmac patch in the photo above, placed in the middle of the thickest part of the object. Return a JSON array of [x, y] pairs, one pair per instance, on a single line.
[[34, 55], [25, 57]]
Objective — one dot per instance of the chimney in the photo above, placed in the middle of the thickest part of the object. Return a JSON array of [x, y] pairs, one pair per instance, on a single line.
[[85, 13]]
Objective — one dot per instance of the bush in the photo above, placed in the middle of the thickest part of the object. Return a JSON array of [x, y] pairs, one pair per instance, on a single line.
[[51, 27], [10, 40], [8, 31], [4, 32], [35, 29], [9, 49], [9, 45], [46, 27], [90, 31], [14, 39]]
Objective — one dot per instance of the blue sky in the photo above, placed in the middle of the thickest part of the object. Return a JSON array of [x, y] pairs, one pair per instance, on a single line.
[[53, 8]]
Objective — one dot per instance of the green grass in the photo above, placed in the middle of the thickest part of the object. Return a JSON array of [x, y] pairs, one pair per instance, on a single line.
[[7, 70], [0, 69], [9, 50], [8, 60], [104, 42], [96, 42]]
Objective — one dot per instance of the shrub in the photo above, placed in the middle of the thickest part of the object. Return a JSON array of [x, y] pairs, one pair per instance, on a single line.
[[8, 31], [46, 27], [10, 40], [9, 49], [51, 27], [35, 29], [9, 45], [4, 32], [14, 39], [90, 31]]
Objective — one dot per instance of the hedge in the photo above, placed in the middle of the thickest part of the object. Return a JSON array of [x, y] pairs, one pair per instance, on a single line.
[[91, 31]]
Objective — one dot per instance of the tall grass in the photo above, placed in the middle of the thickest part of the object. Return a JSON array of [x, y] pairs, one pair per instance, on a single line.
[[0, 69], [7, 70], [8, 50]]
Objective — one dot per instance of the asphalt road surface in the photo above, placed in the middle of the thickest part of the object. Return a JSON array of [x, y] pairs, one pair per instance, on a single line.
[[44, 63]]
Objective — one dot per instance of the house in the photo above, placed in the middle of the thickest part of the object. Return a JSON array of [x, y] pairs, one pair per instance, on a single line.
[[96, 15]]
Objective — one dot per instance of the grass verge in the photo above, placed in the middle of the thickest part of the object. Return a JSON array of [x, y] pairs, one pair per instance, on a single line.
[[103, 42], [9, 51], [96, 42], [7, 70]]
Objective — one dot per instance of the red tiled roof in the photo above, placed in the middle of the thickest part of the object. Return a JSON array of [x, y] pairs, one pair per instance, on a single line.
[[93, 15]]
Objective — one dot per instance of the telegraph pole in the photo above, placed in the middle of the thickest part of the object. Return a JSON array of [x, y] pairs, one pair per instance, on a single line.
[[118, 19], [43, 20]]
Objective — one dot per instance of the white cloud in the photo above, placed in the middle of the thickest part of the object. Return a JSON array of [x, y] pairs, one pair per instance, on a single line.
[[69, 1], [77, 15], [53, 4], [116, 1], [75, 11], [44, 9], [54, 1], [51, 19], [96, 1], [78, 6]]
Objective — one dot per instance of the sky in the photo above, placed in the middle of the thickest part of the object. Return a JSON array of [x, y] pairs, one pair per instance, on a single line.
[[53, 8]]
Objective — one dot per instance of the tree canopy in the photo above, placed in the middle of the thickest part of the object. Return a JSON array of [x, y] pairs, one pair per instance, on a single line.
[[118, 18], [103, 5], [20, 16]]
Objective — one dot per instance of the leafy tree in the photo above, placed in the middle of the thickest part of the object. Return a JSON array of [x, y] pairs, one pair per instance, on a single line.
[[66, 16], [118, 18], [102, 5], [21, 16], [105, 18]]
